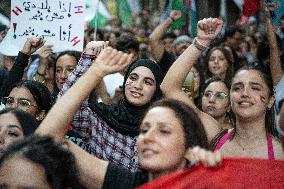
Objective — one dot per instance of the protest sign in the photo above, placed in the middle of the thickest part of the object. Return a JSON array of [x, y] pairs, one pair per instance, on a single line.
[[59, 22]]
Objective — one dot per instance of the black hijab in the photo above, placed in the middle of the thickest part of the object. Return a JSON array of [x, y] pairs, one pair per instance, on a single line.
[[123, 116]]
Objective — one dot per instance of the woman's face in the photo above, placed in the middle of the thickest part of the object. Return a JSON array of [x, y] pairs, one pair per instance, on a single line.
[[22, 173], [140, 86], [161, 142], [218, 63], [215, 100], [249, 95], [64, 66], [22, 98], [49, 74], [10, 131]]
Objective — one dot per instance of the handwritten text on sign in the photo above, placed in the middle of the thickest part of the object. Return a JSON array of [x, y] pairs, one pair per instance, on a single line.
[[59, 22]]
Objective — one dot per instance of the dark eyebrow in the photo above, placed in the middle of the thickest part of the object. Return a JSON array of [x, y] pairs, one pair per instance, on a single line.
[[149, 78], [15, 126], [68, 66], [254, 83], [25, 99], [133, 74], [238, 83]]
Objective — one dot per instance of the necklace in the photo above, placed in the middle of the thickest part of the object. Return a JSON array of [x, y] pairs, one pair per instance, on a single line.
[[238, 143]]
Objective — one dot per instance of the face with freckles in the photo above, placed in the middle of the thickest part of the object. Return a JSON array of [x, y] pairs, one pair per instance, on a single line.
[[140, 86], [250, 95], [161, 142]]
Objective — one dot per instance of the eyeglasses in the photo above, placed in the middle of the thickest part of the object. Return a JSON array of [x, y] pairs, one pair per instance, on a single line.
[[23, 102], [218, 95]]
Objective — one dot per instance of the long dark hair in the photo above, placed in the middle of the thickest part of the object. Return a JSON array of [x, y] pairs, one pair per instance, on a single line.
[[27, 121], [229, 71], [270, 114], [59, 164]]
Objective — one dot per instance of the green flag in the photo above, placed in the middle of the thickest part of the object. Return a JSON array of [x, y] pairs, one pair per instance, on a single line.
[[179, 5], [124, 13]]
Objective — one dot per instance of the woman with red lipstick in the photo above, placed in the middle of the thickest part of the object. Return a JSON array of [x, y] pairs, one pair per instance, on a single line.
[[251, 97]]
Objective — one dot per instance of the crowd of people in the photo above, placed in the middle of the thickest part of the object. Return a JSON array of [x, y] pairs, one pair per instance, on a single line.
[[140, 104]]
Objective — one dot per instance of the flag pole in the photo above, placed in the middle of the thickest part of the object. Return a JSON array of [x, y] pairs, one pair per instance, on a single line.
[[96, 20]]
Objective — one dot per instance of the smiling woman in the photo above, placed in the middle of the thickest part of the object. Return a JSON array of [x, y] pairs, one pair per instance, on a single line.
[[251, 99], [114, 128]]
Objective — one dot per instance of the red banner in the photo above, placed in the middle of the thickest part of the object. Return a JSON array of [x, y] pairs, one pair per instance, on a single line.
[[233, 173]]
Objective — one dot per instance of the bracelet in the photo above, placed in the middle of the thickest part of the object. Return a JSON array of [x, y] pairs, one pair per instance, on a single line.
[[39, 80], [199, 45], [88, 56], [42, 75]]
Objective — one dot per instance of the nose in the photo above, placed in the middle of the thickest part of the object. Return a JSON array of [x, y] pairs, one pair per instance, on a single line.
[[216, 60], [212, 99], [245, 92], [14, 105], [138, 84], [149, 136], [64, 74]]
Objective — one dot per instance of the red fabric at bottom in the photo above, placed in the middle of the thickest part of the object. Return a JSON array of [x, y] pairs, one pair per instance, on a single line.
[[233, 173]]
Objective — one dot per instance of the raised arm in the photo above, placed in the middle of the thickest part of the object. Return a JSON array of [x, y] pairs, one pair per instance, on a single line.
[[92, 170], [171, 86], [61, 114], [275, 62], [44, 53], [16, 73], [157, 47]]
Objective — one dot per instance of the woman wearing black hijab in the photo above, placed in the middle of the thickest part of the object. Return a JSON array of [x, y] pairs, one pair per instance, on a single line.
[[125, 116], [110, 131]]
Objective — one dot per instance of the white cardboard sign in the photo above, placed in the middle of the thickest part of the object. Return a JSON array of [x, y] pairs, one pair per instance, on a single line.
[[59, 22]]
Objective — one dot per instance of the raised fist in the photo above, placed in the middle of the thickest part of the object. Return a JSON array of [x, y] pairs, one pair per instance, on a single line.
[[175, 14]]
